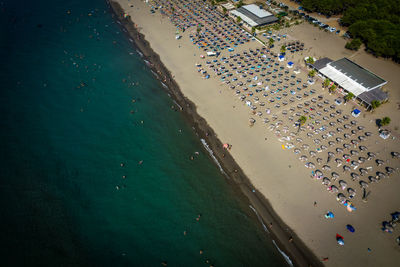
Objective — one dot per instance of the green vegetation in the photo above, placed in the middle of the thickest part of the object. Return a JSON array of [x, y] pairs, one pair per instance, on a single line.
[[283, 49], [238, 19], [375, 22], [375, 104], [310, 60], [312, 73], [239, 4], [302, 120], [348, 97], [253, 30], [224, 10], [332, 89], [326, 83], [271, 42], [353, 44], [385, 121]]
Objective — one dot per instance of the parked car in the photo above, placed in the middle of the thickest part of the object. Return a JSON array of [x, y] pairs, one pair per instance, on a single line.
[[338, 31], [332, 29]]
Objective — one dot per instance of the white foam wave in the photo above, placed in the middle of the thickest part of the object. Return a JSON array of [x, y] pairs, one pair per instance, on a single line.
[[140, 53], [259, 218], [212, 155], [286, 257]]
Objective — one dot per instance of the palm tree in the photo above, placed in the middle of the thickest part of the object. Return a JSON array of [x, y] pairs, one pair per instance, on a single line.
[[302, 120], [312, 73], [310, 60], [348, 97], [283, 49], [332, 89], [385, 121], [375, 104], [271, 42], [326, 83]]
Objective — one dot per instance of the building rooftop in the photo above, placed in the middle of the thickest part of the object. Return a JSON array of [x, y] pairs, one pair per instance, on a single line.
[[321, 63], [254, 15], [357, 73]]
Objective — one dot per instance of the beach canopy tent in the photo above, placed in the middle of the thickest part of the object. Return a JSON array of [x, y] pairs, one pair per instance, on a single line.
[[281, 57], [356, 112], [290, 64], [210, 53]]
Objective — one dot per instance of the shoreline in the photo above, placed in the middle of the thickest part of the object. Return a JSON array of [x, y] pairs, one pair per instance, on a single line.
[[280, 233]]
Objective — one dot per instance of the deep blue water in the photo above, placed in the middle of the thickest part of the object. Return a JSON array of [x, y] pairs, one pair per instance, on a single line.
[[76, 101]]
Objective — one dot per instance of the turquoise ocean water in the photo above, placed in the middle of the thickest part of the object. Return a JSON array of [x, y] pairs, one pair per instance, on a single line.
[[68, 120]]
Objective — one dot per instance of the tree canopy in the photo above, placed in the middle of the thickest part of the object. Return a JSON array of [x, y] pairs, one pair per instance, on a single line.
[[375, 22]]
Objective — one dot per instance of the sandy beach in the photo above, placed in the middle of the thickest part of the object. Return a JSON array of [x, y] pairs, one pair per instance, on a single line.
[[276, 174]]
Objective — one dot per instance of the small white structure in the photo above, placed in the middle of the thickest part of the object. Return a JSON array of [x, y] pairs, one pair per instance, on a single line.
[[290, 64], [281, 58], [210, 53]]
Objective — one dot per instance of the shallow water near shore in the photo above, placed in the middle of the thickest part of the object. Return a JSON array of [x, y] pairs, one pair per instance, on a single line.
[[76, 102]]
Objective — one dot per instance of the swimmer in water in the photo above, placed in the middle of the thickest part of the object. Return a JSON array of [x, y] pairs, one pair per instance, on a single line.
[[140, 162]]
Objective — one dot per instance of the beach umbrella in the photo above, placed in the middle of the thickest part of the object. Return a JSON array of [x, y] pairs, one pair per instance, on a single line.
[[318, 173], [309, 135], [368, 134], [395, 155], [363, 148], [354, 152], [354, 142], [324, 136], [389, 170], [341, 198], [381, 175], [319, 160], [335, 175], [305, 146], [345, 117], [361, 138], [339, 162], [323, 147], [379, 162], [303, 158], [310, 165], [339, 150], [331, 143], [343, 184], [313, 153], [339, 120], [363, 184], [326, 167], [354, 176], [353, 132], [346, 136], [339, 129], [363, 171], [371, 155], [350, 228], [333, 189], [351, 192], [329, 215], [353, 122], [346, 168], [338, 139], [372, 179], [346, 146], [317, 141], [326, 181]]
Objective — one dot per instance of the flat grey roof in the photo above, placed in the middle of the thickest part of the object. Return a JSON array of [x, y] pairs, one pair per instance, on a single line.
[[256, 19], [357, 73], [321, 63], [375, 94]]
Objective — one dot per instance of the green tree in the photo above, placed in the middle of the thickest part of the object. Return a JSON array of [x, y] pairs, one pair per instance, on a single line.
[[353, 44], [312, 73], [385, 121], [239, 4], [348, 97], [271, 42], [332, 89], [302, 120], [224, 10], [283, 49], [326, 83], [375, 104], [238, 19], [253, 30], [310, 60]]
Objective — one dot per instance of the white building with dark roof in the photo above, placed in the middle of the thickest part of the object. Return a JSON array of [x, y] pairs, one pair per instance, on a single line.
[[254, 15], [353, 78]]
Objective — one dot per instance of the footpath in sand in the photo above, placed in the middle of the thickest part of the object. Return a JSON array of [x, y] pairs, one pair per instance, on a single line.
[[278, 173]]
